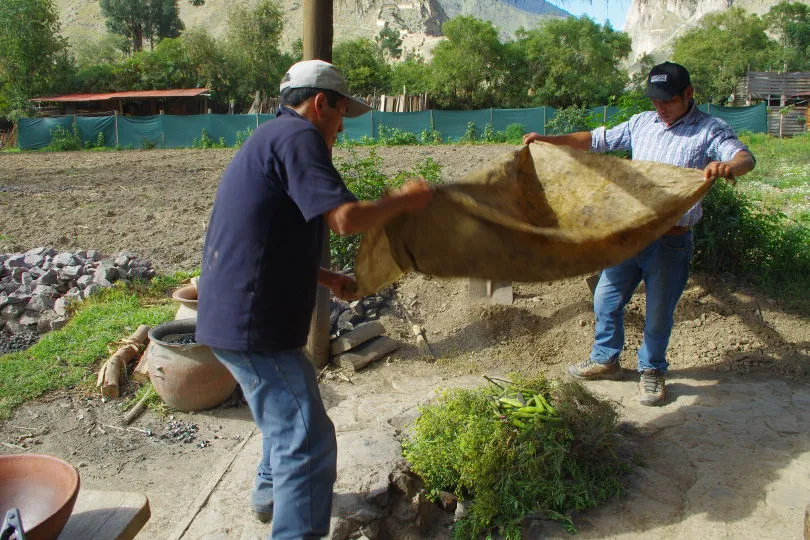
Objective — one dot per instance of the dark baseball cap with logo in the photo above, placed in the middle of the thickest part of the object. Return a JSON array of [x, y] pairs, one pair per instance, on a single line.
[[666, 81]]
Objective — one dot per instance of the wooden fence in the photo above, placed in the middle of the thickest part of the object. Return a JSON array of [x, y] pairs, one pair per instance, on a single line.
[[787, 121]]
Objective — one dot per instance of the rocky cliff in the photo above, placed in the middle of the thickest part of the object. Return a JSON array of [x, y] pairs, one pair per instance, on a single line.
[[418, 20], [654, 24]]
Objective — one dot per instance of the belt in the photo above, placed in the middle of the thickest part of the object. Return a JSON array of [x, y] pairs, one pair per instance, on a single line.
[[677, 231]]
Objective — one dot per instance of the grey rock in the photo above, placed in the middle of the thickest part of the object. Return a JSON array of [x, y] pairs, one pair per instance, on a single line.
[[372, 314], [17, 260], [137, 272], [60, 306], [47, 265], [36, 272], [150, 273], [24, 295], [44, 322], [12, 311], [372, 301], [33, 260], [75, 292], [145, 263], [65, 259], [36, 251], [106, 272], [39, 304], [58, 323], [26, 281], [344, 321], [123, 258], [29, 319], [13, 299], [91, 289], [17, 273], [46, 291], [84, 281], [93, 255], [122, 272], [69, 273], [50, 277]]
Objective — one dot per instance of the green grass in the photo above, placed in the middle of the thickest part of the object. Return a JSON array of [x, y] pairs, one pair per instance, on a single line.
[[70, 357], [781, 179]]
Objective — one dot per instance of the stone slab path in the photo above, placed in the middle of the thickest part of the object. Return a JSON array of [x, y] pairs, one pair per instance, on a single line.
[[723, 458]]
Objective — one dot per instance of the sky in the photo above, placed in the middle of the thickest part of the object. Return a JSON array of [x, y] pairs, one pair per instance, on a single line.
[[599, 10]]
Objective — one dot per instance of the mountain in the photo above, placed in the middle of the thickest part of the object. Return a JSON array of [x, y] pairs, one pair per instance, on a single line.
[[418, 20], [653, 25]]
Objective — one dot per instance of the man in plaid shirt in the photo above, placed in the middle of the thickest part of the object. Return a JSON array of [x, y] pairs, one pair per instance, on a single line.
[[676, 133]]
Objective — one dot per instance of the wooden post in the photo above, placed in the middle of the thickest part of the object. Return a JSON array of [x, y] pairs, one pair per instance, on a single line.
[[115, 117], [318, 31]]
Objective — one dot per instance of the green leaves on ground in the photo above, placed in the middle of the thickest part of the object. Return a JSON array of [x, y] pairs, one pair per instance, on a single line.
[[549, 468], [69, 357]]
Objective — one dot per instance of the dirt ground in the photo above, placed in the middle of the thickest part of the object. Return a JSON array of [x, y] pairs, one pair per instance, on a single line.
[[156, 203]]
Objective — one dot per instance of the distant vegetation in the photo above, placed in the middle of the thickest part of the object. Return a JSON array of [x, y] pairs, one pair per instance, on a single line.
[[560, 63]]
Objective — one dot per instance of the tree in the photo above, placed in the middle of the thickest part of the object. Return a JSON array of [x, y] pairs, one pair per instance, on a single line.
[[575, 62], [721, 50], [140, 20], [390, 42], [467, 69], [790, 22], [252, 49], [362, 62], [411, 75], [33, 57]]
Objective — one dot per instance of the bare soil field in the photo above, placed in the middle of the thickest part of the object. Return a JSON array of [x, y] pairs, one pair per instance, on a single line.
[[727, 340]]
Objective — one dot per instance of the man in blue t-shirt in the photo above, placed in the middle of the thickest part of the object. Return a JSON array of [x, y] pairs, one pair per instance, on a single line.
[[259, 278], [676, 133]]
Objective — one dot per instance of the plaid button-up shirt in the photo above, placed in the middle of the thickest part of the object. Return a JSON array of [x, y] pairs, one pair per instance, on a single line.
[[694, 141]]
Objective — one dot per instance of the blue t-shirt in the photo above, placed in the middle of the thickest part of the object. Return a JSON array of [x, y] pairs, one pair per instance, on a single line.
[[265, 236]]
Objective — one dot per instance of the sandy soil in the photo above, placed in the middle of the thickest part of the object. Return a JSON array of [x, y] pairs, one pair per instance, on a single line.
[[155, 204]]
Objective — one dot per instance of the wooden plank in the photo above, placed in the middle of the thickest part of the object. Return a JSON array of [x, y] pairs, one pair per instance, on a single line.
[[360, 334], [362, 356], [107, 515]]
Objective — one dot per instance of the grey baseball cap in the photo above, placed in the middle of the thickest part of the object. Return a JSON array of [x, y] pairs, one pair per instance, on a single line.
[[323, 75]]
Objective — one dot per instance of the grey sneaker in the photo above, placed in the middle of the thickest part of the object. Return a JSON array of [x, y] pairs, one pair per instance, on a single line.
[[591, 370], [652, 387]]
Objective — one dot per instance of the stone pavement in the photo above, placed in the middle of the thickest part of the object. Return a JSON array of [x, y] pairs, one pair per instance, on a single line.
[[723, 458]]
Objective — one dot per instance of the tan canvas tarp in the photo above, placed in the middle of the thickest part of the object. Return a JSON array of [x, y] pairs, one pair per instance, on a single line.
[[540, 213]]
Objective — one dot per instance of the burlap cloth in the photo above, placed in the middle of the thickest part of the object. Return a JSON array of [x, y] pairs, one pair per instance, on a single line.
[[540, 213]]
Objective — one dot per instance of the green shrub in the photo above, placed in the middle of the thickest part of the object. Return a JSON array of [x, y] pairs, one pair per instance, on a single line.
[[64, 140], [99, 142], [470, 133], [430, 136], [242, 136], [364, 178], [396, 137], [570, 120], [206, 141], [464, 445], [738, 237]]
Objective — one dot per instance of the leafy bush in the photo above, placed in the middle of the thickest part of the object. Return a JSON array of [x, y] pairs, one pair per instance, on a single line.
[[754, 244], [465, 445], [470, 133], [100, 142], [430, 136], [206, 141], [364, 178], [396, 137], [242, 136], [570, 120], [64, 140]]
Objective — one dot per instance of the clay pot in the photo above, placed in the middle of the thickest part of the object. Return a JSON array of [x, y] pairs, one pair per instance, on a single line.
[[187, 377], [187, 296], [44, 490]]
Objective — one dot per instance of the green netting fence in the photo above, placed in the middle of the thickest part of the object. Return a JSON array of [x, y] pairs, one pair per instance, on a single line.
[[167, 131]]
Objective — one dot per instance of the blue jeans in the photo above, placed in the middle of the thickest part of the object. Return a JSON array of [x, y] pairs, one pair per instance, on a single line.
[[298, 469], [664, 267]]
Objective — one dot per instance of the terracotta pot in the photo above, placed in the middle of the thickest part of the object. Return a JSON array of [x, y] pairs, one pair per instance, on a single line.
[[44, 490], [187, 296], [187, 377]]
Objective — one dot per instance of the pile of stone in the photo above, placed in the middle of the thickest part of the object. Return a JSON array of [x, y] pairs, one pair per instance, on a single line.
[[356, 333], [344, 316], [36, 286]]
